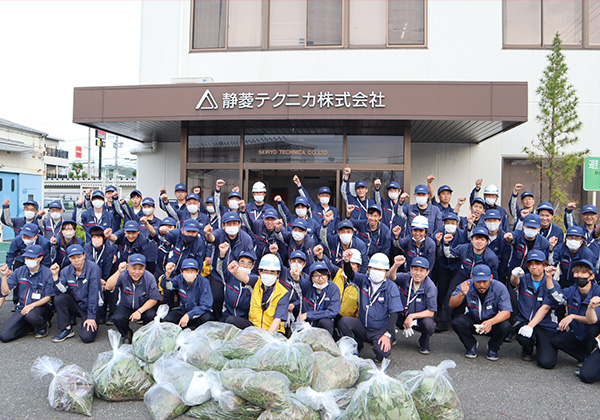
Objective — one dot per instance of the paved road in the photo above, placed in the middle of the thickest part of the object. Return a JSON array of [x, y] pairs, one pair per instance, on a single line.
[[507, 389]]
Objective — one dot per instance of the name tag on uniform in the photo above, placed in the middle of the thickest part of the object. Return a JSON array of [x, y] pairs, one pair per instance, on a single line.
[[36, 296], [84, 281], [488, 307], [418, 299], [540, 298], [381, 299]]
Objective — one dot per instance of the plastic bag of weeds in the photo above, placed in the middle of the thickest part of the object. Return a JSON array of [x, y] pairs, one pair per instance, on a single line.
[[349, 349], [333, 372], [163, 403], [214, 330], [269, 390], [433, 393], [317, 338], [156, 338], [295, 410], [71, 388], [325, 402], [247, 342], [381, 397], [199, 351], [117, 375], [212, 410]]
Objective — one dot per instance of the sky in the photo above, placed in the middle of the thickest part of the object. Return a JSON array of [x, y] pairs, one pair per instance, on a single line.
[[49, 47]]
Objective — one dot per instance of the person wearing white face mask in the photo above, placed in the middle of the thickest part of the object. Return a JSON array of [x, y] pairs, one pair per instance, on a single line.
[[345, 239], [423, 208], [33, 312], [297, 239], [490, 198], [302, 211], [96, 216], [417, 244], [321, 206], [357, 198], [291, 280], [378, 308], [30, 235], [103, 253], [321, 299], [239, 282], [393, 209], [51, 224], [523, 241], [257, 208], [214, 215], [30, 215], [193, 291], [497, 243], [148, 218], [64, 240], [573, 249]]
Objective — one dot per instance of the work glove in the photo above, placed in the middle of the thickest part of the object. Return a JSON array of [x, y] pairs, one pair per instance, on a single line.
[[518, 272], [408, 332], [526, 331]]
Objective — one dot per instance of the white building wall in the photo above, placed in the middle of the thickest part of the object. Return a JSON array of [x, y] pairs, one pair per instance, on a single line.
[[24, 163], [464, 44]]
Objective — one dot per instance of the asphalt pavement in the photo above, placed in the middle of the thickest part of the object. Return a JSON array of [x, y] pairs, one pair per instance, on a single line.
[[506, 389]]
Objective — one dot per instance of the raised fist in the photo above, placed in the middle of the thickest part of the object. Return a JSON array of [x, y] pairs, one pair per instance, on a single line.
[[107, 232], [236, 189], [219, 184], [6, 203], [553, 241], [233, 267], [347, 172], [223, 248], [518, 187], [55, 269], [278, 199], [478, 183], [79, 201], [162, 191], [318, 251], [297, 181], [143, 220], [571, 206], [164, 197], [396, 231], [399, 260], [242, 205], [41, 213], [278, 224], [438, 237], [430, 179], [448, 238], [169, 268], [4, 270], [462, 200], [550, 270], [377, 184], [404, 196], [349, 209], [208, 229], [328, 217], [87, 192], [347, 255], [122, 266], [273, 248], [508, 237], [53, 240]]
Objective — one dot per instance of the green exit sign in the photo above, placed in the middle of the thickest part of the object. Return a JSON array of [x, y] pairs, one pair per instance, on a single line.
[[591, 174]]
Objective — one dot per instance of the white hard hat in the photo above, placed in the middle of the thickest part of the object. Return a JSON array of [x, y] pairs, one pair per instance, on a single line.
[[269, 262], [379, 260], [356, 256], [259, 187], [491, 189], [420, 222]]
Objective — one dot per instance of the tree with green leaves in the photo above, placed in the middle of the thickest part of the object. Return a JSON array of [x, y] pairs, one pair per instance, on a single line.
[[552, 152]]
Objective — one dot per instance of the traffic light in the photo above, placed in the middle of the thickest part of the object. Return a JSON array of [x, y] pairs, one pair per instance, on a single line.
[[100, 143]]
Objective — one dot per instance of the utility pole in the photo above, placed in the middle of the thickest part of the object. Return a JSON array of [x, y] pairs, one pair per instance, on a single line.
[[89, 171], [116, 144]]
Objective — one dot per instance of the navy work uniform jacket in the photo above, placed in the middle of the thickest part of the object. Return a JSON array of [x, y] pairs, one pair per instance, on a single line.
[[134, 296], [195, 299], [85, 288], [496, 300], [424, 299], [376, 305]]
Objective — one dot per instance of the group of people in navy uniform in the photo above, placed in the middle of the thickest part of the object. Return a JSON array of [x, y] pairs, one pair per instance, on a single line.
[[382, 269]]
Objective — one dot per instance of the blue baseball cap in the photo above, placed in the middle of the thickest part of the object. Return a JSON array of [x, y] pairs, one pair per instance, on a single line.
[[192, 196], [345, 224], [96, 230], [235, 194], [33, 251], [131, 226], [532, 221], [582, 262], [98, 193], [30, 229], [324, 190], [168, 221], [210, 199], [189, 263], [32, 202], [444, 188], [270, 214], [248, 254], [180, 187], [56, 204], [481, 230], [360, 183], [75, 249], [318, 266], [589, 209], [301, 200], [374, 207], [481, 272], [492, 214], [526, 194], [111, 188], [393, 184], [300, 223], [72, 223], [135, 192], [450, 216], [137, 259], [191, 225], [420, 262], [545, 206], [298, 254], [536, 255], [421, 189], [478, 200], [231, 216], [575, 231], [148, 201]]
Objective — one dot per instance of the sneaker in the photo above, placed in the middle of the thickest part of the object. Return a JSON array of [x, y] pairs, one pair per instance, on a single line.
[[127, 339], [424, 350], [527, 357], [41, 333], [579, 364], [472, 353], [492, 355], [63, 335], [577, 372], [109, 321]]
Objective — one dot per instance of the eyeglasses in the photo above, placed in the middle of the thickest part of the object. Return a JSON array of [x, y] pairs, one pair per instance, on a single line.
[[317, 276]]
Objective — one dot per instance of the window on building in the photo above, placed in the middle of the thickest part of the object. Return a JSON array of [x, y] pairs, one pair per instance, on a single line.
[[209, 24], [406, 22], [287, 23], [594, 22], [368, 22], [324, 26]]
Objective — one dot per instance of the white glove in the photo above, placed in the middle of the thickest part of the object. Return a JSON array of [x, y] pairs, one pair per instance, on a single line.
[[526, 331], [479, 328], [408, 332], [518, 272]]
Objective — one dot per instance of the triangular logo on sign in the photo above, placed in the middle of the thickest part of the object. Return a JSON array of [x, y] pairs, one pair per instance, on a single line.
[[210, 99]]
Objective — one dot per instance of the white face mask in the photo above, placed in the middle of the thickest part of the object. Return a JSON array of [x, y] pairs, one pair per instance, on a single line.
[[233, 204], [192, 208], [421, 201], [573, 244], [529, 232], [376, 276], [301, 212], [394, 195], [232, 230], [210, 209], [298, 236], [55, 215], [346, 238], [320, 286], [31, 263], [450, 228], [189, 277], [28, 241], [29, 214], [259, 198], [97, 204], [148, 211], [490, 201], [268, 279], [245, 270], [324, 201], [297, 265], [492, 226], [68, 234], [97, 242]]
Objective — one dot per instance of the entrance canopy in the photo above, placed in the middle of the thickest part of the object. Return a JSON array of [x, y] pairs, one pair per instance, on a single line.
[[435, 112]]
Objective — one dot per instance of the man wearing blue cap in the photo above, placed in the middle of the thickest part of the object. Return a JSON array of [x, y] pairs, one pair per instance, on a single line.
[[302, 212], [30, 235], [239, 282], [577, 336], [178, 203], [50, 226], [419, 298], [164, 248], [264, 231], [214, 213], [589, 216], [323, 204], [549, 230], [129, 241], [537, 323], [101, 252], [492, 219], [80, 287], [193, 292], [98, 215], [36, 288], [30, 215], [188, 242], [445, 195], [424, 208], [523, 241], [133, 212], [487, 312], [574, 248], [139, 294], [111, 195], [393, 213], [357, 197], [296, 240], [193, 209], [416, 244], [475, 217], [344, 240], [297, 262], [148, 218], [320, 297], [491, 194], [376, 236], [527, 201]]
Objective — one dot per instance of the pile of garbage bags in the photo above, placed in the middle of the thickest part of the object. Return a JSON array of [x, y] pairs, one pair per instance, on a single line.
[[220, 372]]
